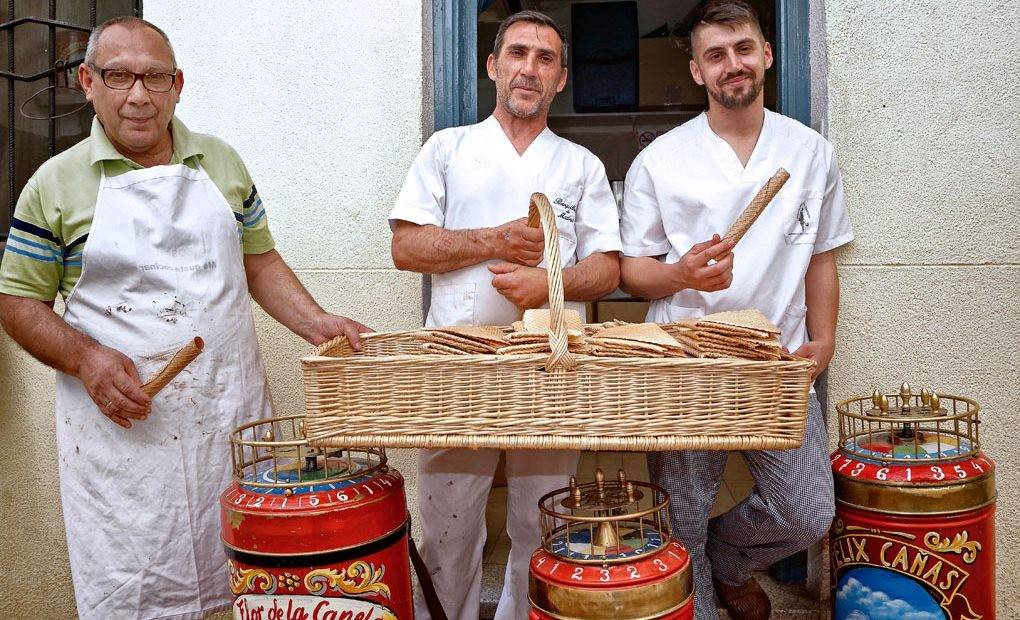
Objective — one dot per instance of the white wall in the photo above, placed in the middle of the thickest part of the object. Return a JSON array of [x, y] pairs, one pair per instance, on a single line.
[[923, 103]]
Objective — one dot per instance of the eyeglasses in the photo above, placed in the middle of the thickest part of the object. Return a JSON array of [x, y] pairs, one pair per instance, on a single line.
[[122, 79]]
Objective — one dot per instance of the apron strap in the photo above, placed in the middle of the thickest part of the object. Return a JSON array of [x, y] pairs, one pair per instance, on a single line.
[[428, 589]]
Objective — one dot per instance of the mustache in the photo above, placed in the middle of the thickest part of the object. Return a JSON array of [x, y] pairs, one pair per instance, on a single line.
[[733, 76], [523, 82]]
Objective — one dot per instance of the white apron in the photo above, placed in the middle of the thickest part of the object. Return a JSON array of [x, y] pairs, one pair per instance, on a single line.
[[162, 264]]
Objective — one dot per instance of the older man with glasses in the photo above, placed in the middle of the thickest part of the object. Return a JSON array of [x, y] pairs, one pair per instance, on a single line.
[[153, 235]]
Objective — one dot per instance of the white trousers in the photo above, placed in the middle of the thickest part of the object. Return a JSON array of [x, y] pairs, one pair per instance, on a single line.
[[453, 489]]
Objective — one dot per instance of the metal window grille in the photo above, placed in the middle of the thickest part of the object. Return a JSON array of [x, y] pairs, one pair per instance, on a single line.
[[40, 56]]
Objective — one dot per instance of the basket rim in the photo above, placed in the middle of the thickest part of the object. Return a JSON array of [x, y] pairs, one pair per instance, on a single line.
[[541, 358]]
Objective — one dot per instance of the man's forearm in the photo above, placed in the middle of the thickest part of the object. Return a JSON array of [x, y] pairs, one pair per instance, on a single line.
[[646, 277], [43, 333], [592, 278], [821, 291], [273, 284], [431, 249]]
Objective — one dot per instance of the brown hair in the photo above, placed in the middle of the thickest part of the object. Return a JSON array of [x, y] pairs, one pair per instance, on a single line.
[[533, 17], [723, 12]]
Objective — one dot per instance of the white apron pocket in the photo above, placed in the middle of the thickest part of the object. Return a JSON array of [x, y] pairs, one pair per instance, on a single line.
[[453, 304], [793, 326]]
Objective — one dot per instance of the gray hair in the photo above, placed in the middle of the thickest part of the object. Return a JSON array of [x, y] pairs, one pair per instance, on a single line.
[[129, 21], [533, 17]]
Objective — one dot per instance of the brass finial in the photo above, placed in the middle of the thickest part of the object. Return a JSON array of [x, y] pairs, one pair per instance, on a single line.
[[621, 477], [925, 397], [935, 403], [630, 492], [876, 397], [575, 496], [573, 482], [883, 403], [606, 537], [905, 396], [600, 483], [268, 436]]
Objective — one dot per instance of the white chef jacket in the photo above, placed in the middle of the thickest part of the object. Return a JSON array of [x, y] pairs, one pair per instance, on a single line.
[[472, 177], [689, 184]]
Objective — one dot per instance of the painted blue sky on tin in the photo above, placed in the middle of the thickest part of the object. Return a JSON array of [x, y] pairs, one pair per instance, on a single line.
[[878, 594]]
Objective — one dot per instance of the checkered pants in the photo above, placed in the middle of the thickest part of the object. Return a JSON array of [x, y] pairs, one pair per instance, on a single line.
[[790, 508]]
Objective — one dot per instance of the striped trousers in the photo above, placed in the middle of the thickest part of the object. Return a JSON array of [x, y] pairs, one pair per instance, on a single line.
[[790, 508]]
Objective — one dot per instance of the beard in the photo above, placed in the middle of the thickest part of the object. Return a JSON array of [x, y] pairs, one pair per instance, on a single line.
[[739, 99], [525, 111]]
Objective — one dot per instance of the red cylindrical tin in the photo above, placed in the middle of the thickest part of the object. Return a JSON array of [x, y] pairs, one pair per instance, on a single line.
[[310, 534], [914, 534], [606, 554]]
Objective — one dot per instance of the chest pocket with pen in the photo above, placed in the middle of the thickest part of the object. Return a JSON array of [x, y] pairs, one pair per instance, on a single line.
[[565, 199], [801, 210]]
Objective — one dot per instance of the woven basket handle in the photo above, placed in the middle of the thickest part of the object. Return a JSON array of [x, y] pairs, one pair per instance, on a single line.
[[540, 211], [176, 364]]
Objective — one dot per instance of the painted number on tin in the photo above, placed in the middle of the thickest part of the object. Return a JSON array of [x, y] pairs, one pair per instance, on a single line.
[[633, 572]]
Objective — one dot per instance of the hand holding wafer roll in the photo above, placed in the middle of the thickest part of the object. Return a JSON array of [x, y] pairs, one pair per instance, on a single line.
[[182, 358], [758, 204]]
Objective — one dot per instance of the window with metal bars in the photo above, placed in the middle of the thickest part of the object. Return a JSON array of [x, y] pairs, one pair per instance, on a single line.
[[42, 109]]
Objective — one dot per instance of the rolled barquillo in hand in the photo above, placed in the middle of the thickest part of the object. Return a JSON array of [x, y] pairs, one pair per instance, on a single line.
[[176, 364], [758, 204]]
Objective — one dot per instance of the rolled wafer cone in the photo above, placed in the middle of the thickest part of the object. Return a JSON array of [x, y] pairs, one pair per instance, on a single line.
[[758, 204], [182, 358]]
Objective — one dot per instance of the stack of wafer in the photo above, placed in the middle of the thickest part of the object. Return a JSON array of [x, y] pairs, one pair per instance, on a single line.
[[742, 333], [531, 333], [746, 334], [462, 340], [635, 340], [523, 343]]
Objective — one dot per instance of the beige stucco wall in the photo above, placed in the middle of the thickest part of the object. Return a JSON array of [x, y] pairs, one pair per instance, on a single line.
[[324, 102], [923, 104]]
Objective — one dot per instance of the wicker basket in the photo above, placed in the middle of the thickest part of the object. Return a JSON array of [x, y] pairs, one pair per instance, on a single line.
[[390, 395]]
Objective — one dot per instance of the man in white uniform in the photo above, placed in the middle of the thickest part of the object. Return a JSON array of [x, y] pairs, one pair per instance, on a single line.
[[684, 190], [461, 216], [153, 235]]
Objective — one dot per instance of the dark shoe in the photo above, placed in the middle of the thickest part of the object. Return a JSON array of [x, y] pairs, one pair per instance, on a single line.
[[744, 602]]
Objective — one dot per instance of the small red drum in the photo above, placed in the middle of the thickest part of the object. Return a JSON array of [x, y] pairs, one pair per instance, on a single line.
[[914, 534], [607, 553], [311, 533]]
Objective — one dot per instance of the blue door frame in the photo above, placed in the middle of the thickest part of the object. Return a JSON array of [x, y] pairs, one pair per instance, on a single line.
[[455, 42]]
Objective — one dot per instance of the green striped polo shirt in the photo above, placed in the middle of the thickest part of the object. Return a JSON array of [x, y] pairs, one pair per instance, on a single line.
[[54, 212]]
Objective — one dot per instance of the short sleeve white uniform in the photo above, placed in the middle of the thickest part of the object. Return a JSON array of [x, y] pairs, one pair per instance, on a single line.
[[689, 184], [472, 177]]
